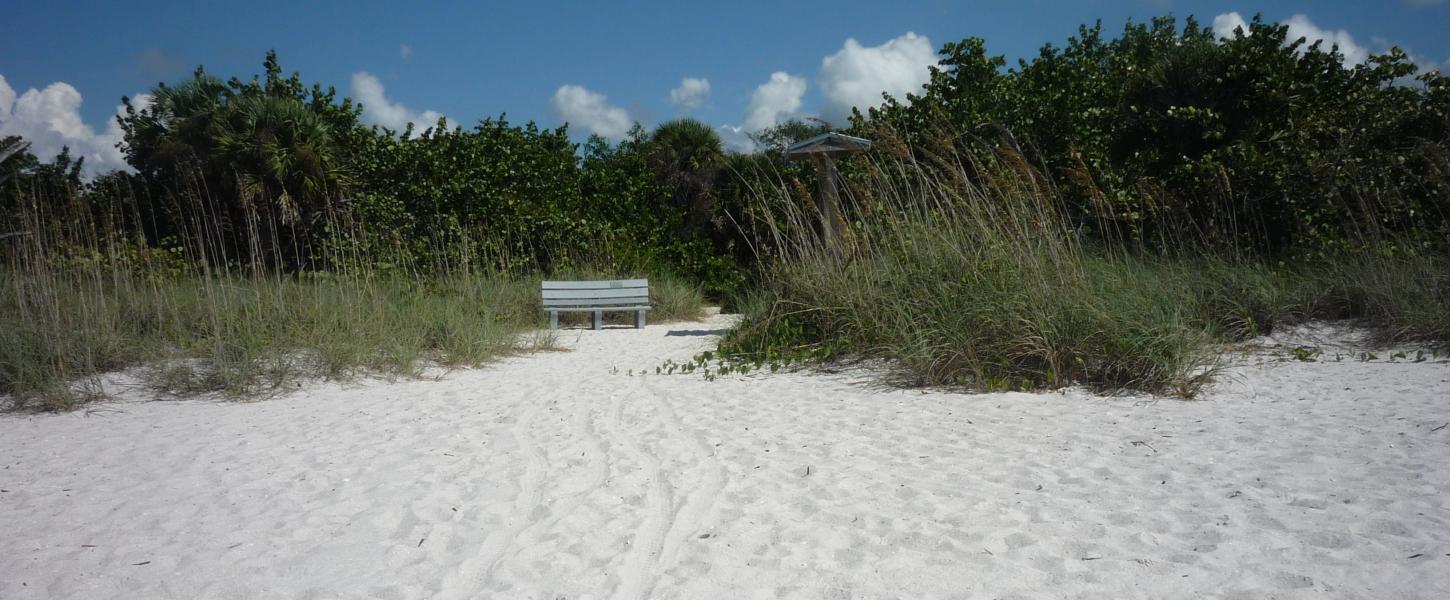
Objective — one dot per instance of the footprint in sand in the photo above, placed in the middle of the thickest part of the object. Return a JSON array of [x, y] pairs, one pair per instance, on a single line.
[[1018, 540]]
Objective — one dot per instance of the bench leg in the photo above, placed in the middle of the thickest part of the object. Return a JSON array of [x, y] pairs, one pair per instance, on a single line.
[[639, 319], [553, 319], [598, 319]]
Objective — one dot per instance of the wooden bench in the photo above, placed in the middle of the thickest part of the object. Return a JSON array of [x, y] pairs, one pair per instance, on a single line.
[[597, 297]]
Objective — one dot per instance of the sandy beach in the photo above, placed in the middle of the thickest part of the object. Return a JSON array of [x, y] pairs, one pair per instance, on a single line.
[[584, 475]]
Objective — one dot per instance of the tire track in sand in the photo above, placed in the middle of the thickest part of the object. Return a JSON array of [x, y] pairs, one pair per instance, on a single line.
[[640, 564], [582, 430], [671, 520], [476, 573], [689, 515]]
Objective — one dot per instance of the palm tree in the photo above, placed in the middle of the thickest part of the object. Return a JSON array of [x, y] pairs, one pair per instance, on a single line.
[[178, 127], [687, 156], [281, 153], [279, 159], [263, 161]]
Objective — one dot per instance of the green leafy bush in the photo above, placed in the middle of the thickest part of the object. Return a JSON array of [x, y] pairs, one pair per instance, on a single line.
[[1166, 136]]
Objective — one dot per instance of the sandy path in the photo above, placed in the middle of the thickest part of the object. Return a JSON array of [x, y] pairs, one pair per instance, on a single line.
[[561, 475]]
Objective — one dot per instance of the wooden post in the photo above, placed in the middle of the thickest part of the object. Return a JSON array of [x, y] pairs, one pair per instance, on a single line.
[[823, 150], [828, 203]]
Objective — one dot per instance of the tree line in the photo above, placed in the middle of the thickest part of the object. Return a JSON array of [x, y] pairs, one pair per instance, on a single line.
[[1166, 135], [1161, 137]]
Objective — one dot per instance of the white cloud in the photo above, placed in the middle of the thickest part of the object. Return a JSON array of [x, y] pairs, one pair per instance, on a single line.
[[405, 51], [7, 97], [591, 110], [692, 93], [1225, 24], [774, 101], [856, 76], [1300, 26], [50, 119], [378, 110], [735, 138]]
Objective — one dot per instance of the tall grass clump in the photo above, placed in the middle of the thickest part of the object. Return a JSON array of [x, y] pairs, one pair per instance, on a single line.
[[1401, 296], [1397, 296], [243, 336], [81, 296], [676, 299], [967, 273], [967, 268]]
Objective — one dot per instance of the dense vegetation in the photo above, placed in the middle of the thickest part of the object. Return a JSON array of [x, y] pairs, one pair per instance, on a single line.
[[267, 234], [1163, 135], [1096, 214]]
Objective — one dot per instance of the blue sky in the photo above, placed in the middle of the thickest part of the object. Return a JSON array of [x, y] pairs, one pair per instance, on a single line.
[[598, 65]]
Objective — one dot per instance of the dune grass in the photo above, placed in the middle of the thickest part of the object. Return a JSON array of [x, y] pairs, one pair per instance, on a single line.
[[243, 336], [1401, 296], [969, 273], [961, 315], [675, 299]]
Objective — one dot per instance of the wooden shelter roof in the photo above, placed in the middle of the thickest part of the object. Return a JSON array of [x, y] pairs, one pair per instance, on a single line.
[[830, 144]]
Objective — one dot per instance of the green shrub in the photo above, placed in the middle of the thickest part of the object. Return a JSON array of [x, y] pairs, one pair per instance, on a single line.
[[675, 299]]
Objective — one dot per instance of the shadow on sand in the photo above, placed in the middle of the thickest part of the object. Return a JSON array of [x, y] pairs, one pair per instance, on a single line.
[[695, 332]]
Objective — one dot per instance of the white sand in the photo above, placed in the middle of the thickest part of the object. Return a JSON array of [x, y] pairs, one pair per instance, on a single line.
[[554, 476]]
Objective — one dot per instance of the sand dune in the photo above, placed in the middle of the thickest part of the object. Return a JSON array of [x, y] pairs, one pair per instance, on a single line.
[[564, 475]]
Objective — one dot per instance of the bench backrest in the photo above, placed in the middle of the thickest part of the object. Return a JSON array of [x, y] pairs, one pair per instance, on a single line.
[[592, 294]]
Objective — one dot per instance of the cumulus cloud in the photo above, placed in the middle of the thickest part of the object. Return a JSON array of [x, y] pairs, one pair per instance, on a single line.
[[1300, 26], [774, 101], [378, 110], [591, 110], [692, 93], [7, 97], [1225, 24], [50, 120], [856, 76], [735, 138]]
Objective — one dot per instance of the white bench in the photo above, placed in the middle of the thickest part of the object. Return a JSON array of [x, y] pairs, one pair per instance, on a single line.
[[596, 297]]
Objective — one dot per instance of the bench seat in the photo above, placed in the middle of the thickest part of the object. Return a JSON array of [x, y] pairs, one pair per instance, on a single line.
[[597, 297]]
